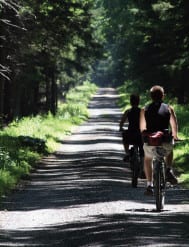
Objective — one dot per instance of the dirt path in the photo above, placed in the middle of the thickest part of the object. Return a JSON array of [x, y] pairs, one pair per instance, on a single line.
[[81, 195]]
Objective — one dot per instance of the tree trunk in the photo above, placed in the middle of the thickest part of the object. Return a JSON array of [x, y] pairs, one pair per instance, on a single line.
[[53, 93]]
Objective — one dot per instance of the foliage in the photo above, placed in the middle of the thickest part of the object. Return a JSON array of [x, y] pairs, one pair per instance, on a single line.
[[76, 101], [46, 46], [147, 43], [126, 90], [23, 142]]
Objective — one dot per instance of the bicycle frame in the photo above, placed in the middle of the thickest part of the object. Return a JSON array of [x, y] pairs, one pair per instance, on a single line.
[[135, 163]]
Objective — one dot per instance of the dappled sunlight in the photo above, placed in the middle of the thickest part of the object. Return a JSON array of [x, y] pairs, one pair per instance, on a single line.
[[82, 196], [91, 225]]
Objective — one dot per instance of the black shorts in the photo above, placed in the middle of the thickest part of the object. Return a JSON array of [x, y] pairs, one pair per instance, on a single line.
[[132, 137]]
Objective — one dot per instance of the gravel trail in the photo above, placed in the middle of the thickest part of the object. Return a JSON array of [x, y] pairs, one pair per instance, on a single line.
[[81, 195]]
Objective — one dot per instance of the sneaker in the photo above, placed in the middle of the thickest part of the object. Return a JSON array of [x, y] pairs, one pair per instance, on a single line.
[[170, 177], [149, 191]]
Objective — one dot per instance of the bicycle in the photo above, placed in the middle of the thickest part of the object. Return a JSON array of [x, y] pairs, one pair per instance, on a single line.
[[159, 165], [135, 159], [159, 179], [159, 175]]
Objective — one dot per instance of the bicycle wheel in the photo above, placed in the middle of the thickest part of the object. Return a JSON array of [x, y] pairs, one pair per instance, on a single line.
[[135, 164], [159, 185]]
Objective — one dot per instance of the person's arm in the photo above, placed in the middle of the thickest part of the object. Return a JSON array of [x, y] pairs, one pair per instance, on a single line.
[[173, 123], [123, 120], [142, 121]]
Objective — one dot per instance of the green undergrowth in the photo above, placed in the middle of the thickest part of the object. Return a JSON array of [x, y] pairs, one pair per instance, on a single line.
[[181, 154], [25, 141]]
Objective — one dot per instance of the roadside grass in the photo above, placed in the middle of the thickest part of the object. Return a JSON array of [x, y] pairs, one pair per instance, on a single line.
[[181, 154], [25, 141]]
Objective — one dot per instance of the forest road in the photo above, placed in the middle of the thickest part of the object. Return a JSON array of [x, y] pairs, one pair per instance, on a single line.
[[82, 195]]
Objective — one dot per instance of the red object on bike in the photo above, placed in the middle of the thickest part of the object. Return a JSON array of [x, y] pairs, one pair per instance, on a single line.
[[157, 134], [153, 139]]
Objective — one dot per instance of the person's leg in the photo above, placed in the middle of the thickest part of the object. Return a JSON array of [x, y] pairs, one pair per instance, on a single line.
[[170, 177], [169, 159], [125, 138], [148, 169], [126, 148]]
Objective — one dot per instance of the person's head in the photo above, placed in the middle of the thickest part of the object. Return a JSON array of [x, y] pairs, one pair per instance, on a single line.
[[134, 99], [157, 93]]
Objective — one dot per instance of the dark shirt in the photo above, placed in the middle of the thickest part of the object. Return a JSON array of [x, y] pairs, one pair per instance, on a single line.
[[133, 135], [157, 116], [133, 116]]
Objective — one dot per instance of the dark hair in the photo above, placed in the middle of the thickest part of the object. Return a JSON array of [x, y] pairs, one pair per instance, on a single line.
[[157, 93], [134, 99]]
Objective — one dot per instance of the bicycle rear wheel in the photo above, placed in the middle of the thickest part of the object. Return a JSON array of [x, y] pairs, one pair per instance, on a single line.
[[159, 185], [135, 167]]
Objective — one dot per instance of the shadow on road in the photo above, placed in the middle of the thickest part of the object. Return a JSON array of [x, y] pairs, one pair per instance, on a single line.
[[82, 196], [106, 230]]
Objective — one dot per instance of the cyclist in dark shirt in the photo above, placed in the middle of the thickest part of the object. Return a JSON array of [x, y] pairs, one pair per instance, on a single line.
[[132, 134], [158, 116]]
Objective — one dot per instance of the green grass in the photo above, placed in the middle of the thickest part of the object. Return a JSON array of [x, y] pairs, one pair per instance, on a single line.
[[21, 143], [181, 154]]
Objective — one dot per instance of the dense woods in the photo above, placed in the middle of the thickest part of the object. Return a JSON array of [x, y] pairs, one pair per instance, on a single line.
[[147, 42], [48, 46]]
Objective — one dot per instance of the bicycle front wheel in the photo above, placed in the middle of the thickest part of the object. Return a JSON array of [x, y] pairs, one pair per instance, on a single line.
[[159, 186]]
